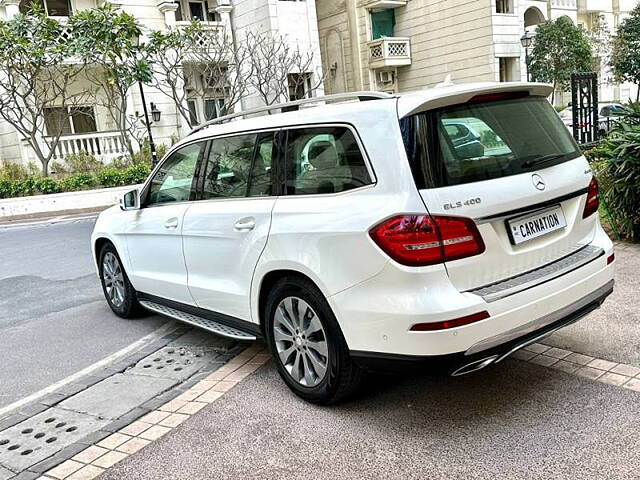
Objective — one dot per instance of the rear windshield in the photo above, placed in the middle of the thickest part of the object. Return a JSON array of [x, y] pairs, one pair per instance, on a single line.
[[479, 141]]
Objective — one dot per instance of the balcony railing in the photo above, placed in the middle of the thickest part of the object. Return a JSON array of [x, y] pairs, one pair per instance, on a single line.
[[389, 52], [105, 146], [208, 37]]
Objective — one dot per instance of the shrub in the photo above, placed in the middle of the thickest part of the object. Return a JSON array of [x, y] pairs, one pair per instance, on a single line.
[[78, 181], [47, 185], [82, 162], [13, 171], [5, 187], [136, 174], [144, 155], [617, 166], [111, 177]]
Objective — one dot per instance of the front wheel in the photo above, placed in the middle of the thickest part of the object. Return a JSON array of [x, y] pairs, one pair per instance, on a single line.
[[118, 291], [307, 344]]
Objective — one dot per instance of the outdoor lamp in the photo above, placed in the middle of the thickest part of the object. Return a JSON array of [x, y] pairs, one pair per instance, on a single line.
[[155, 113], [527, 39]]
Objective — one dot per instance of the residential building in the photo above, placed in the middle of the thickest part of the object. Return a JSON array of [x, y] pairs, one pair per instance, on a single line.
[[91, 129], [403, 45]]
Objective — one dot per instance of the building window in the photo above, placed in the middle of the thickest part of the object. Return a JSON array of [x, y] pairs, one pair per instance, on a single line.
[[299, 86], [504, 6], [507, 69], [196, 10], [53, 8], [383, 23], [193, 112], [69, 120], [213, 108]]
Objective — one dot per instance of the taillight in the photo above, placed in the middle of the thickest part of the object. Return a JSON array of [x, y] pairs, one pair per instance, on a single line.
[[418, 240], [593, 199]]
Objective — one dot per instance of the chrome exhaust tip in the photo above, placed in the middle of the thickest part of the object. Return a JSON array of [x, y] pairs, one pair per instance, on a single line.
[[474, 366]]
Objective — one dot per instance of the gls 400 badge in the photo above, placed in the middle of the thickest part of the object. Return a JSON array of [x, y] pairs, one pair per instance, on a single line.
[[460, 203]]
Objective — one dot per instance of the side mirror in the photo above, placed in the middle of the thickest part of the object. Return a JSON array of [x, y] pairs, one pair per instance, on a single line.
[[130, 200]]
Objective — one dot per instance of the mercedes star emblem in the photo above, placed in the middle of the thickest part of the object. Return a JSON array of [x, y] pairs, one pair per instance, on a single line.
[[538, 182]]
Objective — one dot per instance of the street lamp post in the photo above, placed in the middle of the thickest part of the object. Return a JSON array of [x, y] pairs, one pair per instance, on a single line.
[[154, 111], [526, 40]]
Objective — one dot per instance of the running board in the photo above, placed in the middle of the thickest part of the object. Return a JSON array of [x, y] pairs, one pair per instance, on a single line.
[[210, 325]]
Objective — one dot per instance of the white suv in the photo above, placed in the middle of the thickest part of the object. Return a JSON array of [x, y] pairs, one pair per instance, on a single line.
[[364, 234]]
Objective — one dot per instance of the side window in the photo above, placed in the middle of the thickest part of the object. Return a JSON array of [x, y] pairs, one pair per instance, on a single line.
[[172, 182], [324, 160], [228, 166], [261, 175]]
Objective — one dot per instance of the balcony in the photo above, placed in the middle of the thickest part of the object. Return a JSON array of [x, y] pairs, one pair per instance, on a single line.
[[389, 52], [105, 146], [384, 4], [209, 35]]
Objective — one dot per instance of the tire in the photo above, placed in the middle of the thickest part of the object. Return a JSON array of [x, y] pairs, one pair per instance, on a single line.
[[123, 299], [300, 354]]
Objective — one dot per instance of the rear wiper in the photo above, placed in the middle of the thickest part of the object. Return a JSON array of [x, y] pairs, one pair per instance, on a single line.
[[543, 159]]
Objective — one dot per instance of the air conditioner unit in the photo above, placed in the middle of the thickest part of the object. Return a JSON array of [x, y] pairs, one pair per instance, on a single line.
[[386, 76]]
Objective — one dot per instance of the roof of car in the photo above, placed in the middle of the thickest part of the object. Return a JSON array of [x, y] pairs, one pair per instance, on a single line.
[[404, 104]]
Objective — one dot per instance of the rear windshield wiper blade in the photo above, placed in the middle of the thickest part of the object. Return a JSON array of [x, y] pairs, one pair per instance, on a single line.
[[543, 159]]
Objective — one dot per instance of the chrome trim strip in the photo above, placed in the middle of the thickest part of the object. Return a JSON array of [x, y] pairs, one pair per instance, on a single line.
[[210, 325], [546, 273], [529, 208], [540, 323]]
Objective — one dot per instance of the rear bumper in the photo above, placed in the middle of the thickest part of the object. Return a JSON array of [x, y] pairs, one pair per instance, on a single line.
[[376, 316], [499, 349]]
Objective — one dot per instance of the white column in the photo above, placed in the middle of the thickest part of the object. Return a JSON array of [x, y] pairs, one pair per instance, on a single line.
[[169, 10]]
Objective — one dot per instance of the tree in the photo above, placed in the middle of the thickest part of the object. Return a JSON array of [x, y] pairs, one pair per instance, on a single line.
[[625, 56], [560, 48], [276, 68], [194, 62], [107, 41], [36, 74]]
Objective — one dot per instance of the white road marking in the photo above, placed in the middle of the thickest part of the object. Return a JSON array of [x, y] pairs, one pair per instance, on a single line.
[[167, 327]]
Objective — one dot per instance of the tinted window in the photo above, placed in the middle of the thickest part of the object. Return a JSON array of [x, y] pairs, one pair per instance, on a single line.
[[261, 183], [324, 160], [172, 182], [480, 141], [228, 166]]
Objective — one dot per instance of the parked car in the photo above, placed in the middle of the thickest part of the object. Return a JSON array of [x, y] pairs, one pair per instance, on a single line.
[[608, 115], [355, 236]]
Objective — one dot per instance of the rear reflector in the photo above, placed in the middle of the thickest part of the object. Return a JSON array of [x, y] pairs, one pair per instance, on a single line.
[[419, 240], [593, 199], [456, 322], [611, 258]]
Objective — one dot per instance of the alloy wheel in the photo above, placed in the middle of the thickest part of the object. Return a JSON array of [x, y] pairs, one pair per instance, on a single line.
[[300, 341], [113, 278]]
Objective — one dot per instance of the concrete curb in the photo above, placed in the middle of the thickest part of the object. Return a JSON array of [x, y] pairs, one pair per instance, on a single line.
[[61, 203]]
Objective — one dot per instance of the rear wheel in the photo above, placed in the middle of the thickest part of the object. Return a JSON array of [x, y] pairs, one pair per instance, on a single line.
[[117, 289], [307, 344]]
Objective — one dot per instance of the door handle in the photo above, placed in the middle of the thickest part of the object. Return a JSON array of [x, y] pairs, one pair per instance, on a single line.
[[247, 223], [171, 223]]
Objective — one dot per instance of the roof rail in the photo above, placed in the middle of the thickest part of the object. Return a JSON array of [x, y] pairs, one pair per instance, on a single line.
[[338, 97]]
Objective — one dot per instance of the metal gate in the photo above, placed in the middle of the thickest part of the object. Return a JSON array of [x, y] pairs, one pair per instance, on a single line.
[[584, 105]]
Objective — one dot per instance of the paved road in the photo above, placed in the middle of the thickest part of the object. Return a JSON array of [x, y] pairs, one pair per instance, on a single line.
[[613, 331], [53, 320], [516, 420]]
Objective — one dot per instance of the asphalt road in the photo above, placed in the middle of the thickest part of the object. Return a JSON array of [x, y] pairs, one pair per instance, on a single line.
[[53, 319], [515, 420]]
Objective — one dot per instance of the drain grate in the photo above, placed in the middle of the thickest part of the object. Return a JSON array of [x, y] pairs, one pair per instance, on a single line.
[[178, 363], [44, 435]]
